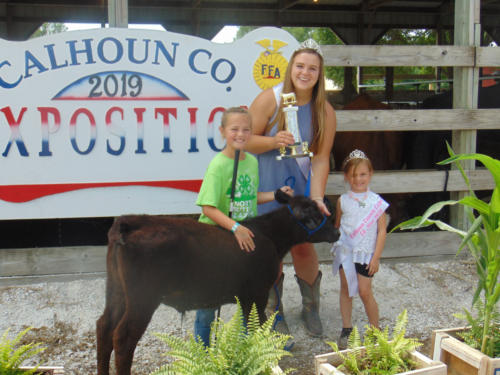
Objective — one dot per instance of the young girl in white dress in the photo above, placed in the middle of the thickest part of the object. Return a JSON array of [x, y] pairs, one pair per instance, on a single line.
[[360, 217]]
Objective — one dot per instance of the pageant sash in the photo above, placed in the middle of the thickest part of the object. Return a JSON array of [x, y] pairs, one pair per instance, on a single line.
[[354, 238]]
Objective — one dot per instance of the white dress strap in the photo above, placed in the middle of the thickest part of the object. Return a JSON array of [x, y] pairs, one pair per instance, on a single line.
[[277, 97]]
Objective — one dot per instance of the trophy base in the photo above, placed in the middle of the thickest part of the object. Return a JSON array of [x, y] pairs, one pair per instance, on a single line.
[[294, 156]]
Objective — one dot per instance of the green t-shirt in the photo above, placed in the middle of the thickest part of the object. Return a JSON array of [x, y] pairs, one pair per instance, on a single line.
[[216, 187]]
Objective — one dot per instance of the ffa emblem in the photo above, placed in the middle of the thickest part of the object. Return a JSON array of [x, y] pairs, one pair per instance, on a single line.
[[270, 67]]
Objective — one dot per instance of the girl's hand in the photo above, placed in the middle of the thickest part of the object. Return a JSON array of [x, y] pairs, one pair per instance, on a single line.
[[373, 266], [322, 206], [287, 190], [283, 194], [283, 138], [244, 236]]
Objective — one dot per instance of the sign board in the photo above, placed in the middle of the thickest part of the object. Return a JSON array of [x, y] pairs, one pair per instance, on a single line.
[[114, 121]]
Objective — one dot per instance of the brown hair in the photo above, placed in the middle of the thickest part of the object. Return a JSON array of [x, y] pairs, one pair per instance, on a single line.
[[235, 110], [318, 101], [354, 163]]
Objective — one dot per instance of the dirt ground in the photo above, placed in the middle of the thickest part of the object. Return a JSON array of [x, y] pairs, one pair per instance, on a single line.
[[63, 311]]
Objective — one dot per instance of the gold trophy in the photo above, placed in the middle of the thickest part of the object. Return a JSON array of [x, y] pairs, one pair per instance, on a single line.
[[292, 125]]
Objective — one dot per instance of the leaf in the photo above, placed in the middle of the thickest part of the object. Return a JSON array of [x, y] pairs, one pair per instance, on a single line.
[[495, 201], [477, 204], [423, 221], [493, 165]]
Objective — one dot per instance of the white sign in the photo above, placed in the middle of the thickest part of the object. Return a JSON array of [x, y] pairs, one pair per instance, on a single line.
[[113, 121]]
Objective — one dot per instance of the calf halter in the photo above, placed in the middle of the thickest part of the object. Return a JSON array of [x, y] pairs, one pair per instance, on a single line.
[[310, 232]]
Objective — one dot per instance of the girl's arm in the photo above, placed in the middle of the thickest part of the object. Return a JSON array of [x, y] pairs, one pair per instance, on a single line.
[[262, 109], [321, 160], [379, 245], [338, 214], [268, 196], [243, 234]]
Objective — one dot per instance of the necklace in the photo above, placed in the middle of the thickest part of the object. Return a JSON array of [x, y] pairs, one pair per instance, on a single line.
[[361, 202]]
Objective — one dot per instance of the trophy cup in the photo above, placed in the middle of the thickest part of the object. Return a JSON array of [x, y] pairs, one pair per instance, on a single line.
[[292, 126]]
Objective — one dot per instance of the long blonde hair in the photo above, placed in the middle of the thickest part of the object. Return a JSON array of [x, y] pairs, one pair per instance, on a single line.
[[318, 101]]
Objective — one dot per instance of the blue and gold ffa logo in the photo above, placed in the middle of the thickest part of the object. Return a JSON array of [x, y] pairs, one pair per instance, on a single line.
[[270, 67]]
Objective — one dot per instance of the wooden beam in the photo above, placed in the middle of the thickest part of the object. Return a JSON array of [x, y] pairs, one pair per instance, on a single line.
[[417, 119], [416, 181], [286, 4], [400, 76], [374, 4], [84, 260], [487, 56], [363, 55]]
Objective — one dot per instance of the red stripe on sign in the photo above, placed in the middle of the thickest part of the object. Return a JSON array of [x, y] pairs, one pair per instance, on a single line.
[[26, 193], [120, 98]]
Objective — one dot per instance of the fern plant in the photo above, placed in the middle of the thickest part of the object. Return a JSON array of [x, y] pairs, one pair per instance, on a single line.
[[473, 335], [12, 355], [379, 353], [235, 348]]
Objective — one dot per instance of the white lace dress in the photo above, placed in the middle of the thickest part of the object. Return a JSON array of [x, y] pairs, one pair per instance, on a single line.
[[358, 233]]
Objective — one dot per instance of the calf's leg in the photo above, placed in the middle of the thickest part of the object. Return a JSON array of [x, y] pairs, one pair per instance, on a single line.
[[106, 324], [128, 333]]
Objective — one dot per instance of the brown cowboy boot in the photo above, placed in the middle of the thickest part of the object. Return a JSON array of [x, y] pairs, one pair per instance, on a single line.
[[310, 305]]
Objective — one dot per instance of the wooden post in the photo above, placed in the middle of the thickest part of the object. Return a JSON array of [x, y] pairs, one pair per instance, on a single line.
[[465, 87], [118, 13]]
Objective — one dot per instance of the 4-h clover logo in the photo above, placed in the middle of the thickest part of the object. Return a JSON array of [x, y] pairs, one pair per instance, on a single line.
[[245, 187]]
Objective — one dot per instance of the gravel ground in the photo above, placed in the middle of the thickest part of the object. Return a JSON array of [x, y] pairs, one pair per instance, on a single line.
[[63, 313]]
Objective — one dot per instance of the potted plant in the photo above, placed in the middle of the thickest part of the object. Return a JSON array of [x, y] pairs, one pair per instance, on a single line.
[[482, 239], [13, 355], [235, 348], [378, 353]]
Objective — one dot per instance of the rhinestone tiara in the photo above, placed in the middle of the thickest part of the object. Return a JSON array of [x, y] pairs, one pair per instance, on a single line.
[[310, 44], [356, 154]]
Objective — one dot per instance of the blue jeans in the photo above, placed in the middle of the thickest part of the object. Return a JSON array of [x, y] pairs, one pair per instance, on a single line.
[[204, 317]]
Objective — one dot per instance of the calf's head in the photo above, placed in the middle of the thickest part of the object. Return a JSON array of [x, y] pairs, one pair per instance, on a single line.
[[319, 228]]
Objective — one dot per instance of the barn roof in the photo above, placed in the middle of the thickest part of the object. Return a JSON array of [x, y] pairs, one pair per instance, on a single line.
[[19, 18]]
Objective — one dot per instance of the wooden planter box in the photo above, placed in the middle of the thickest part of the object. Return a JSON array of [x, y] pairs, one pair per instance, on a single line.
[[326, 364], [46, 370], [460, 358]]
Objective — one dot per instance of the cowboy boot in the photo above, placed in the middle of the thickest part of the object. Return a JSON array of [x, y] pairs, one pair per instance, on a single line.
[[310, 305], [275, 304]]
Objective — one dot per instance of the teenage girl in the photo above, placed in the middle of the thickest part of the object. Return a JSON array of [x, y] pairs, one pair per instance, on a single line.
[[361, 219], [317, 123]]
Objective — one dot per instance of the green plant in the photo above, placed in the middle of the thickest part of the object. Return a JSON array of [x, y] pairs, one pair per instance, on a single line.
[[482, 238], [12, 355], [379, 353], [235, 348], [473, 335]]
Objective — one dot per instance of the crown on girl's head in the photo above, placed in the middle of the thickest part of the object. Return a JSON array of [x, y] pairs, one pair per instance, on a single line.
[[356, 154], [310, 44]]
